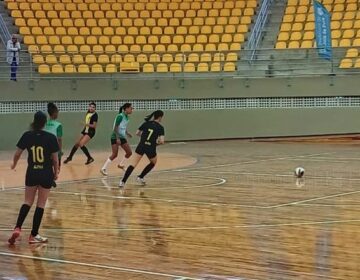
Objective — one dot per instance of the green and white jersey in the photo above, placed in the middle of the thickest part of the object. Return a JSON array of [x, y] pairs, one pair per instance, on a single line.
[[121, 121], [54, 127]]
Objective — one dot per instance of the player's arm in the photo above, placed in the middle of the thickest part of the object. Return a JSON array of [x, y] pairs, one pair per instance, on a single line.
[[139, 132], [16, 157], [92, 125], [128, 133], [55, 160], [161, 140], [59, 137]]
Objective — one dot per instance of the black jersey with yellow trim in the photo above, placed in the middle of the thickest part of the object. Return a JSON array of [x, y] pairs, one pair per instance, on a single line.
[[151, 131]]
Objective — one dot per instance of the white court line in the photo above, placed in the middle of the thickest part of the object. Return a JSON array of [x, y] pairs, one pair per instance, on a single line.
[[247, 162], [123, 269], [312, 199], [199, 228], [161, 200]]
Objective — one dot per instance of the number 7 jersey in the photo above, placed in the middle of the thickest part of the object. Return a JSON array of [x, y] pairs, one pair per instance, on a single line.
[[151, 131]]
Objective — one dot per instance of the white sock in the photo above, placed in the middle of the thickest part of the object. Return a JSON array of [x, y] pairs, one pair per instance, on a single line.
[[106, 163], [122, 162]]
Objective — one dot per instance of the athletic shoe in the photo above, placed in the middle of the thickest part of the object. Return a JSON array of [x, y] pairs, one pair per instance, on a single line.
[[37, 239], [67, 160], [14, 236], [141, 181], [121, 184], [121, 167], [103, 171], [89, 160]]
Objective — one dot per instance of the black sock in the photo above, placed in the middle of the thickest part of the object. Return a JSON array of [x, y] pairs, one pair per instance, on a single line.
[[24, 210], [128, 172], [146, 170], [73, 151], [37, 220], [86, 151]]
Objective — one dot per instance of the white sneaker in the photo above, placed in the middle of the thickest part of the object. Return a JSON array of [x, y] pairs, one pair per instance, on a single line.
[[141, 181], [121, 184], [37, 239], [103, 171]]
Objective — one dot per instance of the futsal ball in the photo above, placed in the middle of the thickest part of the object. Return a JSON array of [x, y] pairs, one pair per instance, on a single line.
[[299, 172]]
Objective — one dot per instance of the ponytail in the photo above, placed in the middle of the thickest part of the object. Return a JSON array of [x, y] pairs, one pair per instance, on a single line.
[[52, 109], [39, 121], [123, 107], [156, 114]]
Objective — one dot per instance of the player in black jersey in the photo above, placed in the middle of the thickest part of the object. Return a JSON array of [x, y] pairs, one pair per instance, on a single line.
[[88, 133], [42, 170], [151, 134]]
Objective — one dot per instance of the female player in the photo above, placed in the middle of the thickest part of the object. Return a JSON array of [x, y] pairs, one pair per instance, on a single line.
[[55, 127], [41, 172], [118, 137], [151, 134], [88, 133]]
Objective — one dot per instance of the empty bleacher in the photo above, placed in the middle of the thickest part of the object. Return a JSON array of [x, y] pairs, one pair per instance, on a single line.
[[95, 36]]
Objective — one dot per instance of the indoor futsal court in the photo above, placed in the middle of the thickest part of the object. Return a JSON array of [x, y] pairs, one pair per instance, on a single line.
[[211, 210]]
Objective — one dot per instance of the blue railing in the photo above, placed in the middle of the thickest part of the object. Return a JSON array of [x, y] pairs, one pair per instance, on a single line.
[[260, 22], [4, 31]]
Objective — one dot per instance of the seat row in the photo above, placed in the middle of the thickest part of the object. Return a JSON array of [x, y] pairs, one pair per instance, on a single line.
[[110, 49], [132, 40], [121, 31], [117, 22], [140, 58], [135, 68], [161, 6]]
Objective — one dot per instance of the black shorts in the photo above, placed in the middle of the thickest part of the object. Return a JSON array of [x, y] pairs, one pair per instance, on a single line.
[[149, 151], [44, 179], [122, 141], [91, 133]]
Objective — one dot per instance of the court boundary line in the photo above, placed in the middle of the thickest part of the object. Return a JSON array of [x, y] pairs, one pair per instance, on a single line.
[[305, 223], [299, 202], [123, 269]]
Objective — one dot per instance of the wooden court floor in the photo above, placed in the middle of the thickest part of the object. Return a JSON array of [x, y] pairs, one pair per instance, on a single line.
[[211, 210]]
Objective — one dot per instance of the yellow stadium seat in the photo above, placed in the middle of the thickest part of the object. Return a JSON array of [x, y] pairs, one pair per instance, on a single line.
[[202, 67], [346, 63], [352, 53], [65, 59], [16, 14], [46, 49], [348, 34], [83, 68], [111, 68], [189, 67], [175, 68], [162, 68], [38, 59], [172, 48], [116, 58], [51, 59], [294, 45], [44, 69], [205, 57], [167, 58], [148, 68], [57, 69], [185, 48], [193, 57], [41, 40], [309, 26], [116, 40], [339, 8], [148, 48], [129, 67], [123, 49], [295, 36], [309, 35], [229, 67], [20, 22], [281, 45], [345, 43], [71, 49], [85, 49], [142, 58], [297, 27], [180, 57], [357, 63], [33, 49], [154, 58], [231, 57], [347, 24], [97, 68], [219, 57], [349, 15], [335, 34], [215, 67], [223, 47], [306, 44]]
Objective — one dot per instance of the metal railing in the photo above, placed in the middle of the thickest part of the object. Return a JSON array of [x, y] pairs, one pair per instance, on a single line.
[[269, 63], [258, 27], [4, 31]]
